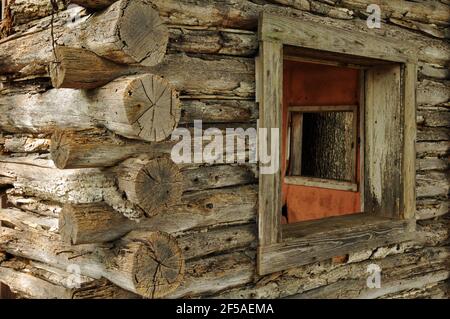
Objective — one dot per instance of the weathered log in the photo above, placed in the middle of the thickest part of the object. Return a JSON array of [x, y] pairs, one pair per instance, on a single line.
[[23, 11], [16, 198], [438, 117], [80, 186], [149, 264], [133, 23], [97, 148], [78, 68], [431, 184], [35, 280], [307, 278], [150, 184], [207, 276], [244, 15], [97, 222], [227, 42], [432, 163], [432, 148], [433, 134], [26, 144], [427, 12], [141, 106], [431, 208], [201, 75], [432, 93], [92, 223]]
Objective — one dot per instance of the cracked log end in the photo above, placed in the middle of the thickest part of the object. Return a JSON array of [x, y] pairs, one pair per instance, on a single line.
[[151, 184], [142, 33], [152, 107], [157, 265]]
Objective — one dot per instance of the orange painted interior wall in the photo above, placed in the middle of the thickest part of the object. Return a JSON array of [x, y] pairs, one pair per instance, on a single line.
[[308, 84]]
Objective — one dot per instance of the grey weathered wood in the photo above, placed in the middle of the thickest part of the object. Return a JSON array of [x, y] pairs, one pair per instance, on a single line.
[[408, 200], [132, 265], [150, 184], [358, 234], [320, 182], [383, 141], [270, 88], [313, 36], [35, 280], [139, 106], [132, 22], [97, 222], [78, 68]]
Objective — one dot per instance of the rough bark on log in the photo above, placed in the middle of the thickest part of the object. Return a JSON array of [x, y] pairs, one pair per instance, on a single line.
[[150, 184], [140, 106], [97, 222], [105, 33], [431, 208], [149, 264]]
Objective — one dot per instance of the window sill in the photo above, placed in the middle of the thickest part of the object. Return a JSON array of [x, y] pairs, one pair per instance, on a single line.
[[313, 241], [322, 183]]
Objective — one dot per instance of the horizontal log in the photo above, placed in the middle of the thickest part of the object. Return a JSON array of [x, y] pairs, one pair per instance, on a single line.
[[434, 118], [130, 263], [431, 208], [23, 11], [432, 184], [427, 12], [82, 186], [245, 14], [78, 68], [35, 280], [226, 42], [206, 75], [300, 280], [433, 134], [90, 223], [26, 144], [103, 33], [141, 106], [217, 240], [207, 276], [432, 93], [432, 163], [16, 198], [432, 148]]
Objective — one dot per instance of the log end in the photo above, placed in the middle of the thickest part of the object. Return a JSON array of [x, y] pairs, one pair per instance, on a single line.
[[153, 107], [158, 265], [152, 185], [142, 33]]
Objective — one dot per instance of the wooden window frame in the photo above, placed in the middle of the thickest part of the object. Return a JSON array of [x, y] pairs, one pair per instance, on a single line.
[[388, 212], [292, 178]]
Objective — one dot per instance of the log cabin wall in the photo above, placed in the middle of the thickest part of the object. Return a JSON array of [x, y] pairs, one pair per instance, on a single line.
[[77, 174]]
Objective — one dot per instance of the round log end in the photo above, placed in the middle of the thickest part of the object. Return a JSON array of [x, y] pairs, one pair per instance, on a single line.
[[158, 265], [142, 33], [58, 150], [153, 107], [152, 185]]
